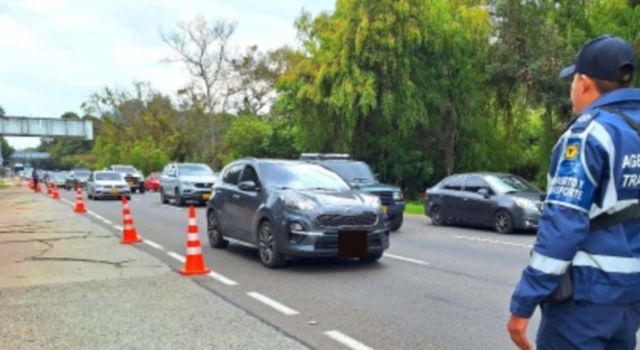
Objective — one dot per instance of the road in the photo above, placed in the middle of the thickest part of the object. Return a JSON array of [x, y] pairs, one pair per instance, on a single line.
[[436, 287]]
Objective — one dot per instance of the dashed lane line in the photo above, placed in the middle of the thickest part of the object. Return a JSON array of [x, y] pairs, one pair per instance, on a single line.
[[153, 244], [494, 241], [177, 256], [117, 227], [405, 259], [346, 340], [224, 280], [273, 304]]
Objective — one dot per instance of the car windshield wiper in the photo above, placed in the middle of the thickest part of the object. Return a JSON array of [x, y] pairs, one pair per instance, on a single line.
[[360, 179]]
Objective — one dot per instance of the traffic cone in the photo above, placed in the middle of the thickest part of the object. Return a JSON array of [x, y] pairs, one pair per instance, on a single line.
[[30, 184], [129, 234], [195, 261], [55, 194], [49, 190], [79, 202], [38, 188]]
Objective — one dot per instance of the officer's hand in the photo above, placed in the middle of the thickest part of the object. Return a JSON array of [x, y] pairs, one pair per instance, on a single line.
[[517, 327]]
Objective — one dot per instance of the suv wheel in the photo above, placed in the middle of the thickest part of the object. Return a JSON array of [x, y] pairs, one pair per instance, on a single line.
[[177, 198], [163, 198], [216, 239], [437, 218], [396, 222], [268, 246], [141, 189], [502, 222]]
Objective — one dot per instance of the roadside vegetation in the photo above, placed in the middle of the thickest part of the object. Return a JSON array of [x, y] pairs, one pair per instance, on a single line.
[[419, 89]]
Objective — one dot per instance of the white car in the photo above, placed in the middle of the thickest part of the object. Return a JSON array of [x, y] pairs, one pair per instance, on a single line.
[[107, 184]]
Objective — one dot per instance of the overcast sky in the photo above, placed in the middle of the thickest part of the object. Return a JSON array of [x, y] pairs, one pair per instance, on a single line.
[[55, 53]]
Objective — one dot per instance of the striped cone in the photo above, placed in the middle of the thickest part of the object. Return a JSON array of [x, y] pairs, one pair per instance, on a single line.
[[129, 233], [79, 202], [55, 193], [49, 190], [195, 261]]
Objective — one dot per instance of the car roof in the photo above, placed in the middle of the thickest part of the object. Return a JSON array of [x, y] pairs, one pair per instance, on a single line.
[[105, 172]]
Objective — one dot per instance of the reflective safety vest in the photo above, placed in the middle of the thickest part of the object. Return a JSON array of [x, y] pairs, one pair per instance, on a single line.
[[594, 170]]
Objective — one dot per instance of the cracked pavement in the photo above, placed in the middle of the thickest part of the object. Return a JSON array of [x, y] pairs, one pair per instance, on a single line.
[[67, 283]]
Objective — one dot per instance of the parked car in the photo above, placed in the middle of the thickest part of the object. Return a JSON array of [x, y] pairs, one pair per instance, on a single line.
[[184, 182], [77, 177], [152, 182], [107, 184], [359, 175], [131, 175], [504, 201], [294, 209]]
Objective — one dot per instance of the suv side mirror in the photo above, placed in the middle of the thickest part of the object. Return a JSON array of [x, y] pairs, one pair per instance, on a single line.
[[248, 186], [484, 192]]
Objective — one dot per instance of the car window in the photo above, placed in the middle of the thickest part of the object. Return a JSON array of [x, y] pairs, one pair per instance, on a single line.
[[455, 183], [353, 172], [108, 177], [195, 170], [232, 175], [167, 169], [475, 183], [249, 174], [510, 183], [301, 176]]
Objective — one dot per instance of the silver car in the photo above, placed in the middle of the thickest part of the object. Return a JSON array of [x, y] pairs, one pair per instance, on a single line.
[[107, 184], [186, 182]]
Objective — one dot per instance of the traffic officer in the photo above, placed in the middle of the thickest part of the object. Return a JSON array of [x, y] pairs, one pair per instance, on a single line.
[[594, 177]]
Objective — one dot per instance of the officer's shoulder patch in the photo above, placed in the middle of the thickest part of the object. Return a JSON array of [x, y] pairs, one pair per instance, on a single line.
[[572, 151], [584, 118]]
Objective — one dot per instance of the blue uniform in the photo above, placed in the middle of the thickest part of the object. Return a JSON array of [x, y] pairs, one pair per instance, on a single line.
[[595, 169]]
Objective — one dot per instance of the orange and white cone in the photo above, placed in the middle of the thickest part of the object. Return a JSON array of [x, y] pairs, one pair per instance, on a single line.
[[49, 190], [195, 261], [55, 194], [79, 202], [129, 233]]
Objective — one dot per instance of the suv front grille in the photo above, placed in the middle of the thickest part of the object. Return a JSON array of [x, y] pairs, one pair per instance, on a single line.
[[204, 184], [337, 220], [385, 197]]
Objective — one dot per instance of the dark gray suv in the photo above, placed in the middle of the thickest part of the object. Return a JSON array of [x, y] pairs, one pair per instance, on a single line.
[[294, 209]]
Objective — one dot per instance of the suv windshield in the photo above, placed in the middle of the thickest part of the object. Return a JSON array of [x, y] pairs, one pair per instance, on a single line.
[[195, 170], [353, 172], [124, 169], [301, 177], [108, 176], [510, 183], [82, 173]]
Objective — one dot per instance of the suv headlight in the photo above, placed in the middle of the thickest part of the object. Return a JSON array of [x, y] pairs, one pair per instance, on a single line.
[[298, 202], [188, 183], [398, 196], [526, 204]]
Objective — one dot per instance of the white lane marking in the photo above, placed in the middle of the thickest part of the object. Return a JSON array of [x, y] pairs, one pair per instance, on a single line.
[[117, 227], [493, 241], [223, 279], [68, 202], [177, 256], [152, 244], [405, 259], [272, 303], [346, 340], [107, 222]]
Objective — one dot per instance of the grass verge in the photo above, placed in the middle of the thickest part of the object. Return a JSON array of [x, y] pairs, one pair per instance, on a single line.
[[413, 207]]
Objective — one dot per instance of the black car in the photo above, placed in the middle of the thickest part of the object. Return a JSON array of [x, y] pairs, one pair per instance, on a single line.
[[506, 202], [131, 175], [294, 209], [77, 177], [359, 175]]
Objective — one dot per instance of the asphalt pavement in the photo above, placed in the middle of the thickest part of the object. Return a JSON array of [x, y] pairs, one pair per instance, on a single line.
[[435, 288]]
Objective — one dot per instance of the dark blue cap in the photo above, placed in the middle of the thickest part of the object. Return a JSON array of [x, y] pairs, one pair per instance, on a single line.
[[602, 58]]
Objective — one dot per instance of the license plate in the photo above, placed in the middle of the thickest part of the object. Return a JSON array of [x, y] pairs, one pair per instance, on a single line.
[[114, 191], [352, 244], [385, 210], [130, 183], [206, 196]]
